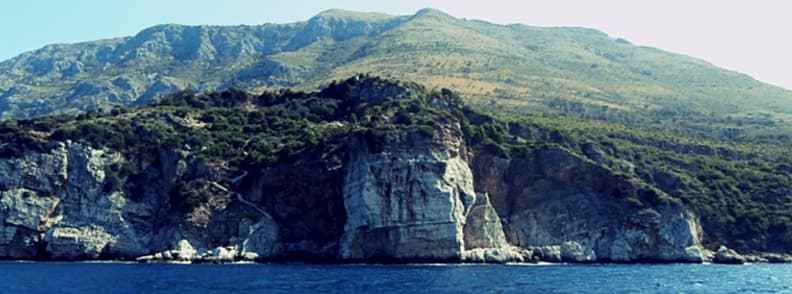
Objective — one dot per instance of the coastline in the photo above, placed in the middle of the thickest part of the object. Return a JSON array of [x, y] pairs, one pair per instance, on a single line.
[[748, 259]]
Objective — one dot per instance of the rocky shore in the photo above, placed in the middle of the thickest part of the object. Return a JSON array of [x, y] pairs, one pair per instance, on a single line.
[[569, 253]]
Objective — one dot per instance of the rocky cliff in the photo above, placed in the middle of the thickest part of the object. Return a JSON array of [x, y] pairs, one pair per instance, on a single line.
[[551, 197], [407, 200], [389, 175]]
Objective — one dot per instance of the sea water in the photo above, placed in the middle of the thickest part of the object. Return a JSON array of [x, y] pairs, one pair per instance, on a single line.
[[35, 277]]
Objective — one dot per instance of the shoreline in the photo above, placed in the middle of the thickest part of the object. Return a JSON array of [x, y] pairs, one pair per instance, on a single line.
[[243, 262]]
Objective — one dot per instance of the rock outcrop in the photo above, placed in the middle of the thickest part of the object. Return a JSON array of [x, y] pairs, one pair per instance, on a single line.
[[58, 199], [551, 197], [408, 200], [483, 228], [728, 256]]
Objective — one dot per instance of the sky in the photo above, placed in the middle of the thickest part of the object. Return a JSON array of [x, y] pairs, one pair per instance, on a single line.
[[752, 37]]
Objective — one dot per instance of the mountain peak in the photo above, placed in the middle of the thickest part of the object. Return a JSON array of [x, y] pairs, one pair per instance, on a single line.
[[348, 14], [342, 25], [583, 67], [432, 15], [432, 12]]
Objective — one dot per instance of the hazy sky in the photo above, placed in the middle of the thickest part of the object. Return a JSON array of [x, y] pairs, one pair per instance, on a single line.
[[748, 36]]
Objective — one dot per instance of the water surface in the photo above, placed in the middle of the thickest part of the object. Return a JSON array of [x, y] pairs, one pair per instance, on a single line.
[[21, 277]]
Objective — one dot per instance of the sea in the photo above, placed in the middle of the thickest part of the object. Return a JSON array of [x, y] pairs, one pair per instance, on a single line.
[[47, 277]]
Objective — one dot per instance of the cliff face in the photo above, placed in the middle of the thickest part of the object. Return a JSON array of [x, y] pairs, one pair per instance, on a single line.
[[408, 200], [405, 196], [292, 212], [387, 174], [551, 197], [53, 205]]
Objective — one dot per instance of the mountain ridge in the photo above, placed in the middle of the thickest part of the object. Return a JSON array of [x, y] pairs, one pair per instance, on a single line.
[[575, 72]]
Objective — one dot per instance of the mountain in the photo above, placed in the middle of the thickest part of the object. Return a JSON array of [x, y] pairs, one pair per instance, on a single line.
[[555, 144], [573, 72]]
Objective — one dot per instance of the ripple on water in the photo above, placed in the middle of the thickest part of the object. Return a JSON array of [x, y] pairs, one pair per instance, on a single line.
[[295, 278]]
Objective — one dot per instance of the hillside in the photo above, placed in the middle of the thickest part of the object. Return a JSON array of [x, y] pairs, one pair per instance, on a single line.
[[371, 169], [572, 72]]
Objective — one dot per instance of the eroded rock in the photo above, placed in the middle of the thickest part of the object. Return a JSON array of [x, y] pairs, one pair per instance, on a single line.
[[728, 256], [24, 208], [261, 239], [552, 197], [408, 201], [483, 227], [78, 243]]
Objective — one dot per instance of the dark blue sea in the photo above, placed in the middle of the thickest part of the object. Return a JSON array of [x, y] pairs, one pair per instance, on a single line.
[[21, 277]]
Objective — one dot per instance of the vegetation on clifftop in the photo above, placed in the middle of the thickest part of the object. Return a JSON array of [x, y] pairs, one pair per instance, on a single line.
[[740, 191], [577, 73]]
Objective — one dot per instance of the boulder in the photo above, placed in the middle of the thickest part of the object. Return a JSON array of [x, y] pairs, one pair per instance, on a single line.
[[547, 253], [728, 256], [220, 255], [777, 258], [574, 252], [78, 243], [184, 251], [496, 255]]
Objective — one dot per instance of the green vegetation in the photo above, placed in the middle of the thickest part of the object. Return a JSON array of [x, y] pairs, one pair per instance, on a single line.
[[741, 191], [570, 72]]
